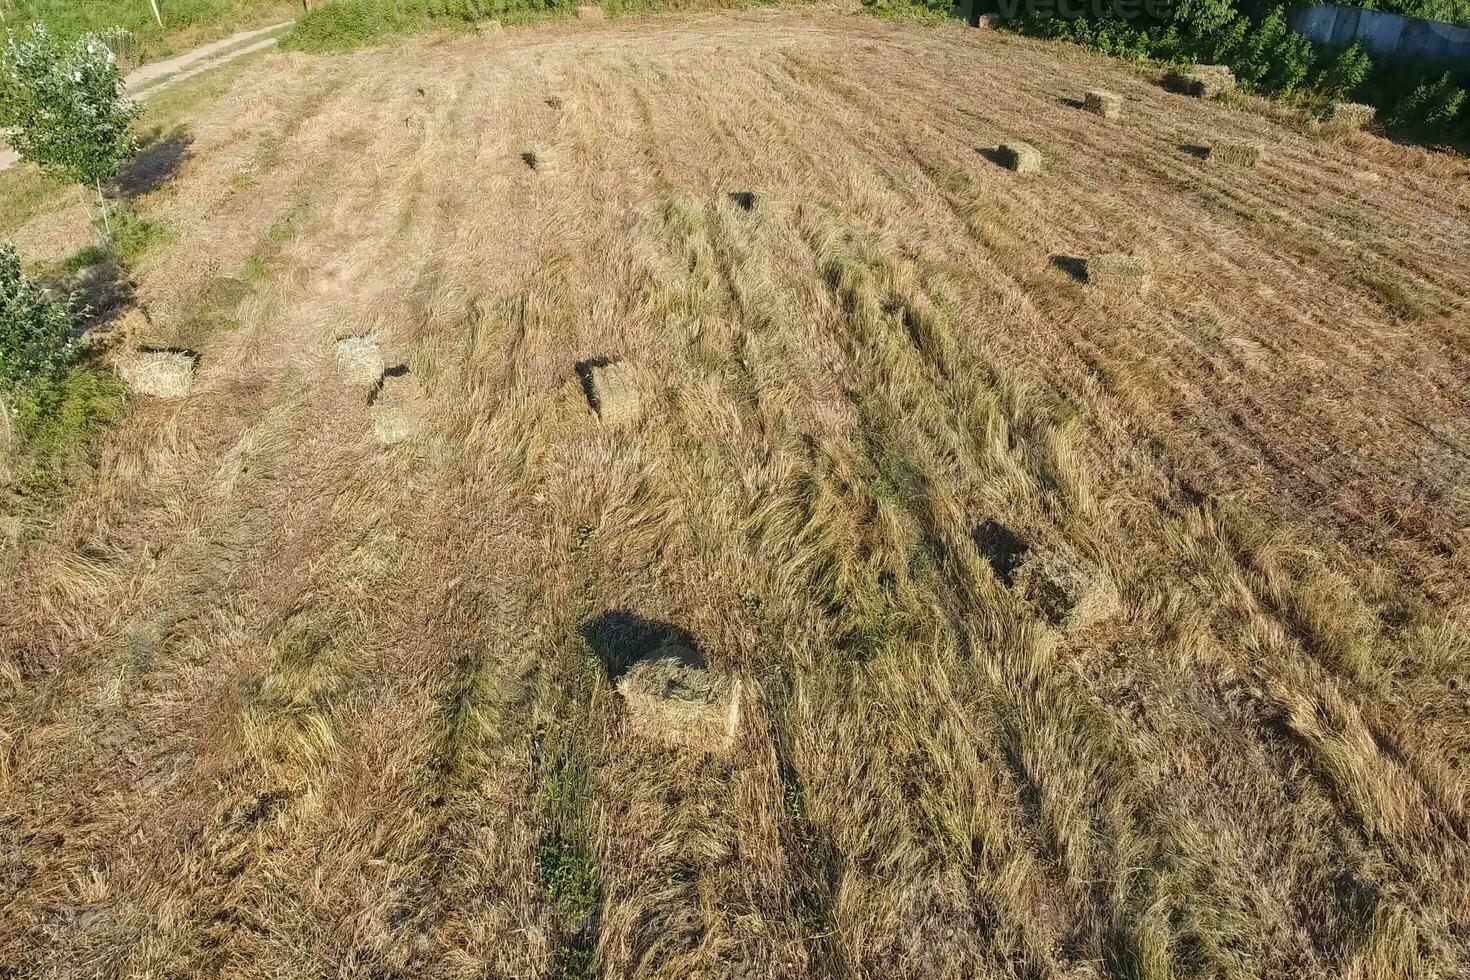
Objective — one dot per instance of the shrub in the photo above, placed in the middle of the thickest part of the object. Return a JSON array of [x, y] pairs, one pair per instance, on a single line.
[[1345, 73], [65, 105], [1273, 57], [1432, 105], [1203, 18], [34, 329]]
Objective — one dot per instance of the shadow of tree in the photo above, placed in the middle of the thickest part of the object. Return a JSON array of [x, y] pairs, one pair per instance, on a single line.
[[155, 164], [97, 287]]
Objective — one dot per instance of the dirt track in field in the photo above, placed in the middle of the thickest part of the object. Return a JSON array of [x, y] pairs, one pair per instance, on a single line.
[[311, 678]]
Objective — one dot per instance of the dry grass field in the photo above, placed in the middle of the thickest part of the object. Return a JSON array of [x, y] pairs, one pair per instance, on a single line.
[[1081, 630]]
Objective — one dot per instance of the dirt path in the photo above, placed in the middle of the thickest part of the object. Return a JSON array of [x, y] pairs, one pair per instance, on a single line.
[[314, 675], [149, 80]]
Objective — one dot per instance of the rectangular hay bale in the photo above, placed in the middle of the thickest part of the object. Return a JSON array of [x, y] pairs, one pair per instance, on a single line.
[[1237, 153], [1349, 116], [1109, 105], [613, 390], [1121, 271], [589, 12], [1204, 82], [1021, 157]]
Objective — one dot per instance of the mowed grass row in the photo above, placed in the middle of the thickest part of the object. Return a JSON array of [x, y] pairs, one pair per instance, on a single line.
[[364, 684]]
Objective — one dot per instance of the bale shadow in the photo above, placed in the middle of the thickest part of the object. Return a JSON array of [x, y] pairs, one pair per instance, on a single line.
[[584, 374], [1071, 103], [620, 637], [1002, 548], [155, 164], [1074, 266], [995, 156], [1195, 150]]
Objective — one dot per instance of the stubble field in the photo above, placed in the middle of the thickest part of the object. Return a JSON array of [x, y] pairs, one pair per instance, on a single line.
[[311, 678]]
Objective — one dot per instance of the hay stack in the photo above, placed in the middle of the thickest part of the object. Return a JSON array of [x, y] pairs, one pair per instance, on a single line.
[[591, 13], [539, 159], [1071, 591], [360, 360], [673, 698], [1350, 116], [612, 390], [988, 21], [1121, 271], [1204, 82], [160, 373], [1021, 157], [1237, 153], [1109, 105]]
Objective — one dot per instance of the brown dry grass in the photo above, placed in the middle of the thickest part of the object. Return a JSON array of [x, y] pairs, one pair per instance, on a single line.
[[282, 698]]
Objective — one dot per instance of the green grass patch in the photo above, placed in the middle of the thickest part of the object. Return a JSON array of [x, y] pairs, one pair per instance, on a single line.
[[131, 236], [186, 23], [54, 421]]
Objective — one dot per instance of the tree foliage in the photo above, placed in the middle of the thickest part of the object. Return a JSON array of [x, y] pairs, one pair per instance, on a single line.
[[34, 328], [65, 107]]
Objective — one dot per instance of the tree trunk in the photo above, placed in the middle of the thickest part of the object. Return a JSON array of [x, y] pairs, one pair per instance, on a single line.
[[102, 205]]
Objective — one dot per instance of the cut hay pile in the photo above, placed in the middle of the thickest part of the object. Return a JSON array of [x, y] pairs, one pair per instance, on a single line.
[[1237, 153], [360, 360], [1021, 157], [588, 12], [1109, 105], [1121, 271], [160, 373], [671, 697], [1204, 82], [612, 390], [988, 21], [1072, 591], [492, 27], [539, 159]]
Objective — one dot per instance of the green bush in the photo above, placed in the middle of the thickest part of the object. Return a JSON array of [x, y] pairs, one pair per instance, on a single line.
[[64, 105], [1431, 106], [1273, 57], [54, 404], [35, 344], [1346, 73]]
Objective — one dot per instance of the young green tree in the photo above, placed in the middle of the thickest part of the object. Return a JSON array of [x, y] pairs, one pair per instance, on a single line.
[[35, 342], [64, 108]]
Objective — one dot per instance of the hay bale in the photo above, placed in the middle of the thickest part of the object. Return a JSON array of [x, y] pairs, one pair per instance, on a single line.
[[671, 697], [1109, 105], [539, 159], [160, 373], [588, 12], [1237, 153], [988, 21], [1350, 116], [493, 27], [612, 390], [392, 426], [1021, 157], [1121, 271], [1204, 82], [360, 359], [1072, 591]]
